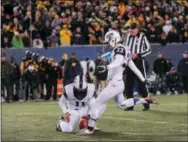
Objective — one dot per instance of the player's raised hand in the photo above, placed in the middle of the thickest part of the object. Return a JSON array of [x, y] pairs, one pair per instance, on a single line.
[[67, 117]]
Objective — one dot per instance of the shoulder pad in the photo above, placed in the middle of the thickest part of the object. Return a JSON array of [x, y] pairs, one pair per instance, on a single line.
[[120, 50]]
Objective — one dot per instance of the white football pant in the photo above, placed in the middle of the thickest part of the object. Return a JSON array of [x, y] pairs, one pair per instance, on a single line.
[[75, 117], [114, 90]]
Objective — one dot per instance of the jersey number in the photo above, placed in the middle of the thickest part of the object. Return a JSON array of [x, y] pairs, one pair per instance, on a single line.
[[80, 104], [120, 51]]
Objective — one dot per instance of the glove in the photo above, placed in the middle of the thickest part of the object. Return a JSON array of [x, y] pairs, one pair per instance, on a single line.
[[67, 117], [101, 69], [147, 82]]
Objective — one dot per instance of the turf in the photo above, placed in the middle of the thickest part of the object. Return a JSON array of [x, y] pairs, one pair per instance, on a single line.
[[36, 122]]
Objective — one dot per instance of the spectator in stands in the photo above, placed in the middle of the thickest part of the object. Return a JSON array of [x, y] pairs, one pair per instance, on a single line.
[[97, 16], [183, 70], [37, 42], [65, 36], [6, 43], [167, 27], [26, 39], [172, 35], [17, 41], [78, 37], [185, 33], [46, 31], [72, 69]]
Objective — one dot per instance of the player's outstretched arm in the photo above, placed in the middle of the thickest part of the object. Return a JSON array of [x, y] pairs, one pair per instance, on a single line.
[[133, 67], [62, 103]]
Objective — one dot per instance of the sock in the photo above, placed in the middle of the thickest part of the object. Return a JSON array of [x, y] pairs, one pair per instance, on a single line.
[[91, 124], [134, 101], [139, 101]]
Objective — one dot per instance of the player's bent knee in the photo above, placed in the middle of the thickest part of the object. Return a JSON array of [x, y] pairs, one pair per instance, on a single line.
[[66, 127]]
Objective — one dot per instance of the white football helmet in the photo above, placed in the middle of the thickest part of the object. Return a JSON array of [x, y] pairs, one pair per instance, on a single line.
[[112, 37], [80, 83]]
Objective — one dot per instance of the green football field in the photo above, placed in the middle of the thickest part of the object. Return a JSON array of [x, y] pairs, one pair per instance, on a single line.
[[36, 121]]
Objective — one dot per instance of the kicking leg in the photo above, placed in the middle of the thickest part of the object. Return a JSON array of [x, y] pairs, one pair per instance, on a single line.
[[107, 93], [135, 101], [119, 99]]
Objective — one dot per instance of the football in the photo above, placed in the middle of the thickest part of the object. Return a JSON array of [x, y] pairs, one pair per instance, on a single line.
[[83, 123]]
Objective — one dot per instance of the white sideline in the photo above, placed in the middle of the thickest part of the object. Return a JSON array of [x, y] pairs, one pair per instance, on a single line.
[[146, 121]]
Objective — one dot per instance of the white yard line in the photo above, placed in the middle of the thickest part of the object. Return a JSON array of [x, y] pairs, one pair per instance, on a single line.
[[146, 121]]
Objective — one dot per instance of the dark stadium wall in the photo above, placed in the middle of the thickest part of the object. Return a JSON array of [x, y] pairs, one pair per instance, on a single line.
[[171, 51]]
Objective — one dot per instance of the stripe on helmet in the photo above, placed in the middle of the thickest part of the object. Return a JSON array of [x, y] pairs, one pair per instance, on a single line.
[[81, 82]]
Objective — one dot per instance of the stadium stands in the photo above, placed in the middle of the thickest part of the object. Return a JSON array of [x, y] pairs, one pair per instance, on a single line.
[[52, 23]]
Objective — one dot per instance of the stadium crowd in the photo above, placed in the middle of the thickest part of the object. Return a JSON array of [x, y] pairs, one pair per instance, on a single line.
[[54, 23], [36, 73]]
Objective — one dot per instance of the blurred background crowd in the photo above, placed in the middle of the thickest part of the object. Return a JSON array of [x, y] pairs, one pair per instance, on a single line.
[[37, 76], [54, 23]]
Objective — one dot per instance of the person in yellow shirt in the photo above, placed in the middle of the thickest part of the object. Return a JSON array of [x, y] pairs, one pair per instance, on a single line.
[[65, 35], [131, 20]]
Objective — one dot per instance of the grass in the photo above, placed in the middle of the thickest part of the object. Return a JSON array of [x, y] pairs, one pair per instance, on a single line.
[[36, 122]]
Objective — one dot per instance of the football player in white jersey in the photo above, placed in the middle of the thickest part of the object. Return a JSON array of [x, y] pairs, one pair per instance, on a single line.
[[74, 103], [120, 58]]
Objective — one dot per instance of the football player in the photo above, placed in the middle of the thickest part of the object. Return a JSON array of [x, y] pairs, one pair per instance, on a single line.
[[75, 102], [120, 58]]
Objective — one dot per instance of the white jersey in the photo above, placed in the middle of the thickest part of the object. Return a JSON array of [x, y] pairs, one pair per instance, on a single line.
[[74, 100], [119, 58]]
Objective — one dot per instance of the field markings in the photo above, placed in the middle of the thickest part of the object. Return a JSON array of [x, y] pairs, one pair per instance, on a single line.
[[147, 121], [115, 118]]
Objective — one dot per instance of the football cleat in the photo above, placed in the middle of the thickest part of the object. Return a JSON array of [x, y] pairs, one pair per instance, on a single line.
[[151, 100], [96, 128], [58, 128], [85, 131]]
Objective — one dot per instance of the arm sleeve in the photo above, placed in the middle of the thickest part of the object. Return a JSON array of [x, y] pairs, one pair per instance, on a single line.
[[62, 104], [117, 62], [136, 70], [146, 49]]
